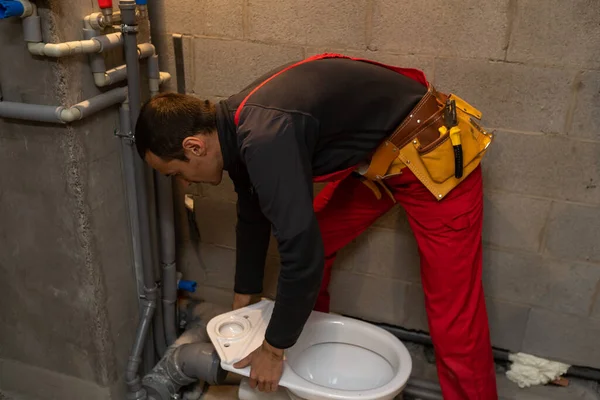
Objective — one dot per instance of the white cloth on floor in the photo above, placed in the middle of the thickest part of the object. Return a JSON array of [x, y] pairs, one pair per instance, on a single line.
[[527, 370]]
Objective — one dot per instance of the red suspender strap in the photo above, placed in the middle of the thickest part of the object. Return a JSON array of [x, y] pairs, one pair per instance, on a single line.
[[409, 72]]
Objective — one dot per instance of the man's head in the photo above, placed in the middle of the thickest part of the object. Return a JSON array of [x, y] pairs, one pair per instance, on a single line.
[[177, 135]]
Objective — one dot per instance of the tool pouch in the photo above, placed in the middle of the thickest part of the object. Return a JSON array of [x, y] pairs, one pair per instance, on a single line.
[[433, 163]]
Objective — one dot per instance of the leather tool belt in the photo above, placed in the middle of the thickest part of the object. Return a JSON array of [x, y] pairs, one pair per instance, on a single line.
[[439, 141]]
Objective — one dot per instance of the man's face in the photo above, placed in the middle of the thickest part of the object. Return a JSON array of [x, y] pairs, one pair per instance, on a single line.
[[203, 165]]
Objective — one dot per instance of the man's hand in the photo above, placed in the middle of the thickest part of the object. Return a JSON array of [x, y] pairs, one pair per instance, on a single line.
[[266, 367], [243, 300]]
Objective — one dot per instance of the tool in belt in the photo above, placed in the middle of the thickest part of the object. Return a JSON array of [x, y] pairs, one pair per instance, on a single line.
[[421, 144]]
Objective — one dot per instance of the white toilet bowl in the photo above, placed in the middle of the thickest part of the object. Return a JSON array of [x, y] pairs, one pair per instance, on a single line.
[[335, 357]]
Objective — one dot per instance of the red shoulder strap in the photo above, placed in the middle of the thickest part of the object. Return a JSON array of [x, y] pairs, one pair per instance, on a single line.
[[412, 73]]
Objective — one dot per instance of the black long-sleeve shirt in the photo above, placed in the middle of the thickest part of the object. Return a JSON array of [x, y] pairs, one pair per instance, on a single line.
[[314, 119]]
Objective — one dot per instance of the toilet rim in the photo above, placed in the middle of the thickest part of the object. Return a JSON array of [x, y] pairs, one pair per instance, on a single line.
[[309, 390]]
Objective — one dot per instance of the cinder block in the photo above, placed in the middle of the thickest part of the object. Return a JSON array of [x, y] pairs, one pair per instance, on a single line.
[[510, 96], [573, 232], [415, 314], [216, 221], [375, 299], [224, 67], [544, 165], [395, 219], [534, 280], [431, 27], [221, 297], [561, 337], [308, 22], [206, 17], [556, 32], [586, 118], [507, 323], [225, 191], [388, 253], [218, 265], [511, 220], [423, 63]]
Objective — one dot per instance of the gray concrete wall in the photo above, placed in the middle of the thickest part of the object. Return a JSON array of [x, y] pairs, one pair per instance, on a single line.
[[69, 304], [531, 66]]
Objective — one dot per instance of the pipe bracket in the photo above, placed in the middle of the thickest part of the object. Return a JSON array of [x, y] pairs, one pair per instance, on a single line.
[[129, 28], [126, 136]]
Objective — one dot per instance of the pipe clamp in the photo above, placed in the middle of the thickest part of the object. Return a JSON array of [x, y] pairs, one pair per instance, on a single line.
[[129, 28]]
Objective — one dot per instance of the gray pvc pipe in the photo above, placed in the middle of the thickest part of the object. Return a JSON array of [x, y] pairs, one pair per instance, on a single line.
[[117, 74], [133, 81], [132, 378], [102, 101], [128, 154], [29, 112], [60, 114], [167, 254], [32, 29], [421, 393], [97, 63]]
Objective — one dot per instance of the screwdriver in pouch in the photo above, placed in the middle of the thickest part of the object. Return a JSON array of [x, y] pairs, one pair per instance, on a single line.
[[451, 123]]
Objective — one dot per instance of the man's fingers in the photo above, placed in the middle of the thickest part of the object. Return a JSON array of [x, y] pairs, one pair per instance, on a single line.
[[262, 384], [253, 383], [244, 362], [274, 387]]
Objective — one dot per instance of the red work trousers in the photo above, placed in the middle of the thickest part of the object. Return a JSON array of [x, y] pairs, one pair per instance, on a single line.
[[448, 234]]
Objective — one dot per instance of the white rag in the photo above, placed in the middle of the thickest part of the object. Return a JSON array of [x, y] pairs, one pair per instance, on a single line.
[[527, 370]]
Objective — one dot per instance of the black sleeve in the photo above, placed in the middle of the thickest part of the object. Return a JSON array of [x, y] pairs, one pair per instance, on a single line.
[[253, 232], [279, 164]]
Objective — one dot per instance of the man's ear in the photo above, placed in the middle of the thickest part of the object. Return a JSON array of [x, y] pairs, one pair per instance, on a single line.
[[194, 146]]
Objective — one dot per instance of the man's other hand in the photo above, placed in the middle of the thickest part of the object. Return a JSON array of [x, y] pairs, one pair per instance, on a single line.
[[266, 367], [243, 300]]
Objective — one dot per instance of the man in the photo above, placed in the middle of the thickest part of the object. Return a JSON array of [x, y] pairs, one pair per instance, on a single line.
[[379, 135]]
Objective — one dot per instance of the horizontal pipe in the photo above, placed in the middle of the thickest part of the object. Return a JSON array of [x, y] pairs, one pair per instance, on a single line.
[[111, 76], [94, 45], [499, 354], [64, 49], [100, 102], [60, 114], [30, 112]]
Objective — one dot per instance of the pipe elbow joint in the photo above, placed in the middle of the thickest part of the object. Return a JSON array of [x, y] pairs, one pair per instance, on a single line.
[[68, 114], [101, 79], [181, 366]]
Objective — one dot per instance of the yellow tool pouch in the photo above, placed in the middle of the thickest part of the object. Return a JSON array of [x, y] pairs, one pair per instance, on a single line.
[[425, 147], [434, 163]]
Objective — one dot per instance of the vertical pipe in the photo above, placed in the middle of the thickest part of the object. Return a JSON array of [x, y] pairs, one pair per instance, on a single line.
[[128, 155], [130, 30], [167, 255]]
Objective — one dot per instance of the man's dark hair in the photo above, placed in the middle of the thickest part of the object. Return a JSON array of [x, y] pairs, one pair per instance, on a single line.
[[167, 119]]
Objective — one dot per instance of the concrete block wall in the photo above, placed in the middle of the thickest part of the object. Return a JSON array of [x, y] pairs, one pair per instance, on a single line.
[[69, 305], [531, 66]]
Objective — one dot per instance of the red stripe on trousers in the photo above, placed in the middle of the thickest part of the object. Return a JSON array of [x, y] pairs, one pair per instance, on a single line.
[[448, 235]]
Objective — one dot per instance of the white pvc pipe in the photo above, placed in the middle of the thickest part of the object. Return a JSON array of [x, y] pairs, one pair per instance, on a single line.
[[95, 45], [64, 49]]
